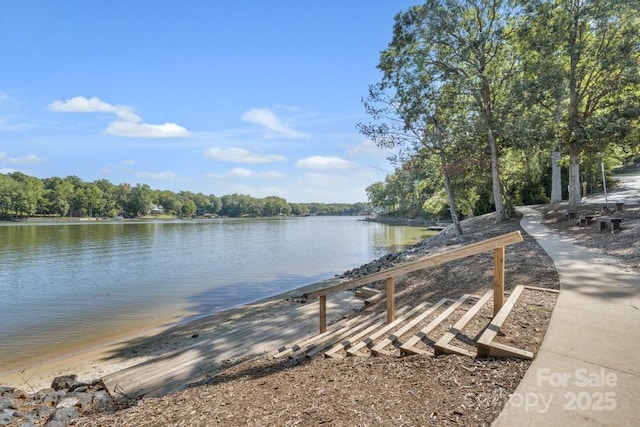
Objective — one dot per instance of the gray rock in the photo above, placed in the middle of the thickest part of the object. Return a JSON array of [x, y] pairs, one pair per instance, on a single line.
[[40, 395], [68, 402], [6, 415], [52, 399], [84, 399], [66, 414], [64, 382], [55, 423], [103, 402], [43, 413], [7, 403]]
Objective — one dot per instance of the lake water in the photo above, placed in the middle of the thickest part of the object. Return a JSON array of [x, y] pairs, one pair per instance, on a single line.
[[66, 284]]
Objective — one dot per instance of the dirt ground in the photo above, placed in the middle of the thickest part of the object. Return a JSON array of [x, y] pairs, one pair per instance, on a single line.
[[391, 390]]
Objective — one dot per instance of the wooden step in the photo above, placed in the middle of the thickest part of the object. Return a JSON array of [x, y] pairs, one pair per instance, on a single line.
[[392, 339], [442, 346], [409, 347], [486, 346], [350, 336], [365, 292], [368, 341], [335, 351], [309, 343], [344, 334]]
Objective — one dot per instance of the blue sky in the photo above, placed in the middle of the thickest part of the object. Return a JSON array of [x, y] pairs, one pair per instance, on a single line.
[[219, 97]]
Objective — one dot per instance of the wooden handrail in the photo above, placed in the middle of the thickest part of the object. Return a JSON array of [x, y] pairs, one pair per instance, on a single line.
[[496, 244]]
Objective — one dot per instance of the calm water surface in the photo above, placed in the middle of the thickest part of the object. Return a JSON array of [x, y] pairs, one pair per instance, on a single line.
[[70, 283]]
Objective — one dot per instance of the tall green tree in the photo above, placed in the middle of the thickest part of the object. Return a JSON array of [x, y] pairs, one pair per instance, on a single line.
[[410, 119], [31, 195], [462, 44], [140, 200], [598, 44]]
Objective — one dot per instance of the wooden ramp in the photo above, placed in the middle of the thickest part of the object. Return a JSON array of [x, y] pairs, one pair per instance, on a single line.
[[174, 371], [292, 322]]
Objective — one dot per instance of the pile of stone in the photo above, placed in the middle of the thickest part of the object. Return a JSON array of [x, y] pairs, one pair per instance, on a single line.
[[65, 401]]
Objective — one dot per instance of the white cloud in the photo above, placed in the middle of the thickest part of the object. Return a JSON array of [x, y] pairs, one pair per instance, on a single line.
[[29, 159], [128, 123], [322, 162], [271, 122], [145, 130], [80, 104], [128, 162], [166, 175], [240, 155]]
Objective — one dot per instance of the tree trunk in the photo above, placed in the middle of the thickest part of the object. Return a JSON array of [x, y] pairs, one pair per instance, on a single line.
[[495, 179], [575, 147], [556, 174], [452, 201], [575, 198], [556, 156]]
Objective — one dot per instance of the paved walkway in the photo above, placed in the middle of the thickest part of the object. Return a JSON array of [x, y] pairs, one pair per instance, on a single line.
[[587, 371]]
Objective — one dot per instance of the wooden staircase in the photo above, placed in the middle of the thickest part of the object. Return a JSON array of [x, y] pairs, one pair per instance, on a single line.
[[465, 326]]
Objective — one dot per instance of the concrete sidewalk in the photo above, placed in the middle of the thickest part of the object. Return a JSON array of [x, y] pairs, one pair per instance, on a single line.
[[587, 371]]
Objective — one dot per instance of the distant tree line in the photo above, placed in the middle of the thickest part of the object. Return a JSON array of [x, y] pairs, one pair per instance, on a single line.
[[25, 196]]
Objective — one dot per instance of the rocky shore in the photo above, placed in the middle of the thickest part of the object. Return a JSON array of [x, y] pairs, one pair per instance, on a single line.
[[66, 400]]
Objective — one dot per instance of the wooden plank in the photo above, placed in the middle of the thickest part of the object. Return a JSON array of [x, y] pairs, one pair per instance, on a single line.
[[323, 313], [442, 345], [176, 369], [132, 382], [354, 350], [344, 335], [161, 372], [392, 339], [494, 327], [452, 349], [373, 299], [390, 290], [338, 335], [310, 342], [536, 288], [498, 279], [502, 350], [365, 292], [347, 343], [409, 346], [428, 261]]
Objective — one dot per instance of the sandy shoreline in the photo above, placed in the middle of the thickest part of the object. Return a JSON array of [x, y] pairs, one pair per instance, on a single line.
[[91, 362]]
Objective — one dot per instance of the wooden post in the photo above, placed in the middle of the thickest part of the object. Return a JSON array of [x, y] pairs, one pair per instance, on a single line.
[[390, 288], [498, 279], [323, 313]]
